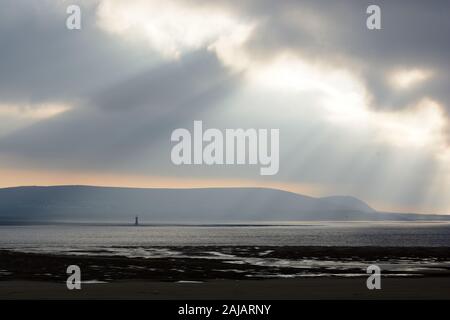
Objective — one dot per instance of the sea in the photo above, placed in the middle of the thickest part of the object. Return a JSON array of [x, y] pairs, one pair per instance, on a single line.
[[168, 241], [396, 234]]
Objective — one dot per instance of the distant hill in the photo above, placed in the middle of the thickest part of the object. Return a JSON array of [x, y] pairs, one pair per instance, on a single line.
[[210, 205]]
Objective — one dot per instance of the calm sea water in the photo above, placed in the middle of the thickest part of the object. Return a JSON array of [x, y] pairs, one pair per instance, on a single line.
[[316, 234], [162, 241]]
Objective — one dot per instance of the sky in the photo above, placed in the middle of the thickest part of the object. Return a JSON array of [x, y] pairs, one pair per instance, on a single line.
[[361, 112]]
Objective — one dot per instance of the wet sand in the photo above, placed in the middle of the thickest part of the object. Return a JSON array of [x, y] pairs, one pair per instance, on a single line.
[[195, 275]]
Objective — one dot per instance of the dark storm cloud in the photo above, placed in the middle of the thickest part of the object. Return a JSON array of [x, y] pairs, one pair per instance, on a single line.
[[164, 88], [122, 100], [129, 116], [41, 60]]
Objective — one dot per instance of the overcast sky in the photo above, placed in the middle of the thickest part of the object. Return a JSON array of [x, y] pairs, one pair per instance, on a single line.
[[361, 112]]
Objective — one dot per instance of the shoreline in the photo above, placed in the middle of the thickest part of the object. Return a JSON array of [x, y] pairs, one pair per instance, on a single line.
[[224, 272], [199, 263]]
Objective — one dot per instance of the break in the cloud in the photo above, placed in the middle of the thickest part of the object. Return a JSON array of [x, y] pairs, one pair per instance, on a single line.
[[35, 112], [361, 112], [170, 27]]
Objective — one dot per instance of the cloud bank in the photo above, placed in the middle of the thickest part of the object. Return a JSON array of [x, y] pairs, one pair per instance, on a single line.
[[360, 112]]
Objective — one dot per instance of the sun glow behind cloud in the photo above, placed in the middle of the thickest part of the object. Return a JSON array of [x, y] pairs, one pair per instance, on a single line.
[[407, 78], [171, 27], [420, 126], [345, 102]]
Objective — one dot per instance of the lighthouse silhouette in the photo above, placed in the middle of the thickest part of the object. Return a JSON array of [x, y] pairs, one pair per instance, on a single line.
[[136, 221]]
